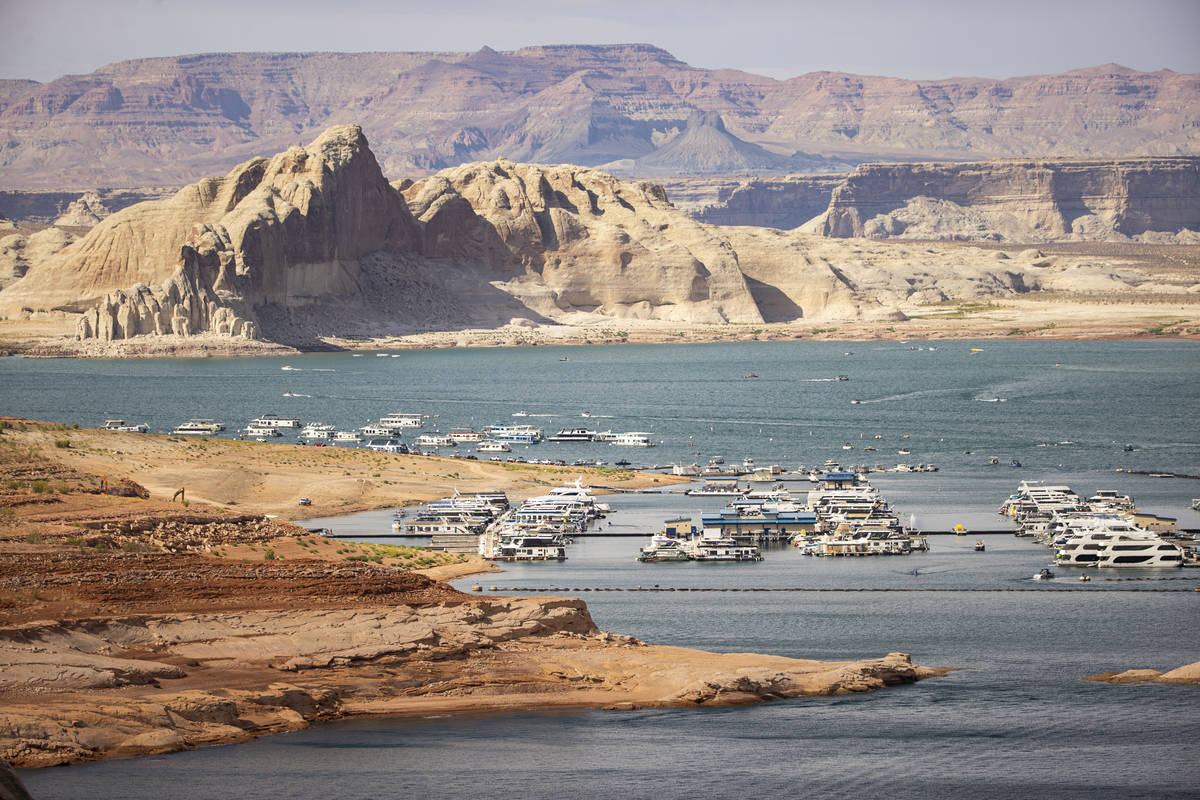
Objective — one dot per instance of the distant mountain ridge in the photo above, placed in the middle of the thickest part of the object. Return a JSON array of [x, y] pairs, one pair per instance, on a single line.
[[169, 121]]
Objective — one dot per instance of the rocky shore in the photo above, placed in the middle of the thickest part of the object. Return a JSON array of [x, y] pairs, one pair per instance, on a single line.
[[120, 686]]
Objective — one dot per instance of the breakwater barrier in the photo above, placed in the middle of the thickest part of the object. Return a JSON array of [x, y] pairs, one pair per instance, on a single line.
[[1060, 587]]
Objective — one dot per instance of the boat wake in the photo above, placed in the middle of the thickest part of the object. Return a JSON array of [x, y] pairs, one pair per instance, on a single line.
[[910, 395]]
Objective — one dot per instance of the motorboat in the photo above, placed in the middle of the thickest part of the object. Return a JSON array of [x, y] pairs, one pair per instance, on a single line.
[[980, 547], [316, 430], [717, 488], [572, 435], [518, 434], [434, 440], [633, 439], [199, 427], [712, 545], [664, 548], [1044, 575], [253, 431], [119, 425], [401, 421], [531, 548], [272, 421], [1114, 543]]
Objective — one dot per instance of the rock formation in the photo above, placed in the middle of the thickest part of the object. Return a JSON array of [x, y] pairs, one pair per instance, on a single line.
[[86, 212], [271, 237], [19, 251], [1025, 201], [1187, 674], [172, 120], [314, 243], [568, 240]]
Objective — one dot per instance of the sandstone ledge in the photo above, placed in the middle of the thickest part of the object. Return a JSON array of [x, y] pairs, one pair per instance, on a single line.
[[98, 688], [1187, 674]]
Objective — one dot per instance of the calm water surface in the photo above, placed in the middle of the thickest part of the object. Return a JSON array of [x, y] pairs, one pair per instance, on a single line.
[[1017, 720]]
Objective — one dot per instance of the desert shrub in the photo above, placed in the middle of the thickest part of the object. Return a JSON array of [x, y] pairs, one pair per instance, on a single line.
[[34, 538]]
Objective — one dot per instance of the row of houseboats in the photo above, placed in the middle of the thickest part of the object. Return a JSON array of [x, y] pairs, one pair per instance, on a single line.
[[539, 529], [496, 438], [1102, 531], [843, 516]]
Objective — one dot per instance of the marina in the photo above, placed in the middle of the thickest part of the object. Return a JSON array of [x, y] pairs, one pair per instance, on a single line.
[[1023, 643]]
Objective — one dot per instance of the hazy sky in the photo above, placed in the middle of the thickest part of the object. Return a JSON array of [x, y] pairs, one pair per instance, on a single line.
[[43, 39]]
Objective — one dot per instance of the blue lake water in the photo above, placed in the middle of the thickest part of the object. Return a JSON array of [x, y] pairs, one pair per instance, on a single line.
[[1017, 721]]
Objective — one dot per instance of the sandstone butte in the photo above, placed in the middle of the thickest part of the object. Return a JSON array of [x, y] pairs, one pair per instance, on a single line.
[[313, 248], [132, 625]]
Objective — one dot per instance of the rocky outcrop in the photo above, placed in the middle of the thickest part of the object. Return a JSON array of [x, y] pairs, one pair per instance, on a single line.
[[1154, 200], [1187, 674], [174, 120], [272, 236], [569, 241], [86, 212], [18, 251], [89, 689]]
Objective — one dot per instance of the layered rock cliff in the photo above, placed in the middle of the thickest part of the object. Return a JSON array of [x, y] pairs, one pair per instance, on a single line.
[[1151, 199], [1030, 201], [172, 120]]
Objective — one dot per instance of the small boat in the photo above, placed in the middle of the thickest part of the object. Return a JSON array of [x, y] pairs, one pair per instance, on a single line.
[[856, 402], [1045, 575], [903, 452], [847, 447], [1014, 463], [842, 378], [749, 375], [980, 547], [993, 461]]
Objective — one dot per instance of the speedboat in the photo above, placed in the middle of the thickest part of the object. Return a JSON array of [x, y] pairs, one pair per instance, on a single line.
[[1045, 574], [980, 547]]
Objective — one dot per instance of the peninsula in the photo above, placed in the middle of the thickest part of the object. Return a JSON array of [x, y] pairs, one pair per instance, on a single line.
[[130, 624]]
